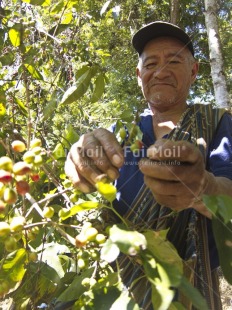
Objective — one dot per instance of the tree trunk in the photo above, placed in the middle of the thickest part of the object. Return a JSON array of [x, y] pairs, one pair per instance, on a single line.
[[215, 53], [175, 11]]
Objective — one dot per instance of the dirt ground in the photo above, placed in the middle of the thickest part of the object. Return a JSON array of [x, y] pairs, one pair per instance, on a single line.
[[226, 293]]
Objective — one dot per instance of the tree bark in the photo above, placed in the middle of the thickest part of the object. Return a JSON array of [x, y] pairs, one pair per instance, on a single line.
[[175, 11], [215, 53]]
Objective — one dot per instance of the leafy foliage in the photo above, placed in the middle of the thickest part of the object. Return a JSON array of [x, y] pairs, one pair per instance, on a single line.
[[62, 65]]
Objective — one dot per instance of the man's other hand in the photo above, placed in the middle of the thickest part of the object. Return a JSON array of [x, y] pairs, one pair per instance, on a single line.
[[96, 153]]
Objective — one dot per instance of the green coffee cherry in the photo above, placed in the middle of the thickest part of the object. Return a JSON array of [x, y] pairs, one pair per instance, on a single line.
[[10, 244], [10, 196], [81, 263], [48, 212], [91, 233], [17, 224], [29, 157], [4, 229], [18, 146], [21, 168], [122, 133], [100, 238], [35, 143], [6, 163]]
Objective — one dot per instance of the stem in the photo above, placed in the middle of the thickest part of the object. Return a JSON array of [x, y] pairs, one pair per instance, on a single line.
[[35, 205], [118, 215], [64, 234]]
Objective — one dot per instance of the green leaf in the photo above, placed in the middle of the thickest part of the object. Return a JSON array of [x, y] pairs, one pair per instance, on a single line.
[[108, 191], [50, 107], [14, 265], [14, 35], [34, 72], [81, 71], [192, 294], [99, 86], [149, 265], [59, 151], [219, 205], [39, 281], [75, 289], [129, 242], [124, 302], [105, 6], [37, 2], [111, 279], [46, 271], [104, 298], [51, 258], [21, 106], [83, 206], [79, 89], [224, 207], [2, 110], [57, 7], [223, 238], [127, 115], [110, 251], [7, 59], [2, 96], [176, 306], [161, 296], [59, 29], [103, 294], [163, 250], [211, 203], [70, 135]]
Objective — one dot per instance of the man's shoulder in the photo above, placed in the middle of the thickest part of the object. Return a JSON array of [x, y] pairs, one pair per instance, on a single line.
[[208, 108], [210, 112], [146, 112]]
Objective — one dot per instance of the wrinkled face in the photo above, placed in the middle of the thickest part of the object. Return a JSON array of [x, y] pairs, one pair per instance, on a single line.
[[165, 72]]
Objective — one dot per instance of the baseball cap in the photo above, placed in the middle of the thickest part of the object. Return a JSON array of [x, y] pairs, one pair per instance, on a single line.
[[159, 29]]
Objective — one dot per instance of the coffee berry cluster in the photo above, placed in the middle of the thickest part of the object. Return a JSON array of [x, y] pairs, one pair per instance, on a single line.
[[130, 135], [11, 235], [15, 176], [89, 242]]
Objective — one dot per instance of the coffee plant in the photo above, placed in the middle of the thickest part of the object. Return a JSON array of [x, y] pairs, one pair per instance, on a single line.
[[61, 66]]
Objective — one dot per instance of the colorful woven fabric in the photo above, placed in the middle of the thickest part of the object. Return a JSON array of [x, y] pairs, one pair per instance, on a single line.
[[187, 229]]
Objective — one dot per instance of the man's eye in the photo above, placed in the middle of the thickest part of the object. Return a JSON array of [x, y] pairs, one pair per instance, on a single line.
[[174, 62], [150, 65]]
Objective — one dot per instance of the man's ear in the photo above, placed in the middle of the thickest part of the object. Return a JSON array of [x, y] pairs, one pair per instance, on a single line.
[[138, 77], [195, 69]]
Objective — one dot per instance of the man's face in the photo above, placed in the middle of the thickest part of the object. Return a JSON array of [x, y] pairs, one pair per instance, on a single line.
[[165, 72]]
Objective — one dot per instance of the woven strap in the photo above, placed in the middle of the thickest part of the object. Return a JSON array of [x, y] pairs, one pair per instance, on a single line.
[[187, 230]]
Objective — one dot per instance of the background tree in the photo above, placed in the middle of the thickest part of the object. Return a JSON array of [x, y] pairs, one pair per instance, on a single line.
[[216, 58], [66, 67]]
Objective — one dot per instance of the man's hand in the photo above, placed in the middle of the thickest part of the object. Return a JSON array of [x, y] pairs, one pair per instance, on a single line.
[[96, 153], [175, 173]]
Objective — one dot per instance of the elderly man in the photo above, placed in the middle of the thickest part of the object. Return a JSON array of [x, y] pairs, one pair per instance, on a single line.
[[171, 131]]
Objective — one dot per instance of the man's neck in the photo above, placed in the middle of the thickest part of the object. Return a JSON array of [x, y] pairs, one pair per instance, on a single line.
[[165, 121]]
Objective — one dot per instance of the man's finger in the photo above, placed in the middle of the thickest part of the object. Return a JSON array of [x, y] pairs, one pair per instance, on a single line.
[[111, 147], [173, 150], [77, 180]]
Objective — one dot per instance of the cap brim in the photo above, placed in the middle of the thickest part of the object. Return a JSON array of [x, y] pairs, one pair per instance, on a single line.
[[159, 29]]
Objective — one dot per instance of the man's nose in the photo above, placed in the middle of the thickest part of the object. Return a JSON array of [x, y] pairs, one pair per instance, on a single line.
[[161, 71]]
